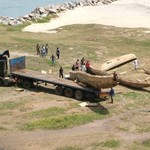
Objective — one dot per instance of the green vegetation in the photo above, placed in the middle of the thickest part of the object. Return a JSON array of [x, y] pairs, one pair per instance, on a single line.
[[43, 20], [144, 128], [16, 28], [108, 144], [46, 113], [111, 144], [2, 128], [62, 121], [69, 148], [133, 95], [9, 105], [146, 143], [123, 128]]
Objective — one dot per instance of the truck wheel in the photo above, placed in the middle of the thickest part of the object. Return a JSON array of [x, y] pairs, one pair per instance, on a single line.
[[27, 84], [90, 96], [69, 92], [79, 95], [1, 82], [59, 90]]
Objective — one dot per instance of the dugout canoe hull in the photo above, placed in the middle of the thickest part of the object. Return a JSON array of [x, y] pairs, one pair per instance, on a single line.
[[133, 84], [147, 72], [117, 62], [94, 81], [94, 71]]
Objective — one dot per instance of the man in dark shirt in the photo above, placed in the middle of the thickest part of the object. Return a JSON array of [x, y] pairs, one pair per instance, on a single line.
[[61, 74], [58, 52], [111, 93]]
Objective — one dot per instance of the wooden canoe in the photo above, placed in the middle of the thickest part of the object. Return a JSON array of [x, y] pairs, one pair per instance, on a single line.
[[97, 82], [133, 84], [94, 71], [147, 72], [117, 62]]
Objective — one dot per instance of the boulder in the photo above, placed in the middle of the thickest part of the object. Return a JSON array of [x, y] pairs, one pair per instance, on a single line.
[[42, 10]]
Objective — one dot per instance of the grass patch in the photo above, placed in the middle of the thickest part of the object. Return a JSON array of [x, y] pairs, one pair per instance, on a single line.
[[26, 40], [146, 143], [53, 111], [144, 129], [123, 129], [9, 105], [108, 144], [2, 128], [17, 28], [111, 144], [133, 95], [64, 121], [69, 148], [43, 20]]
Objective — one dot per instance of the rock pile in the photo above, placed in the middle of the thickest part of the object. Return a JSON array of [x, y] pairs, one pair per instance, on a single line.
[[42, 12]]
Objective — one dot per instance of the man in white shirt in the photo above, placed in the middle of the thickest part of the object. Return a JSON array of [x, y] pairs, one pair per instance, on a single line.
[[136, 64]]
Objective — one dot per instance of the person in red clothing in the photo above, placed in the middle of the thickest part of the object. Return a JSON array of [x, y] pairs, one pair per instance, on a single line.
[[87, 66]]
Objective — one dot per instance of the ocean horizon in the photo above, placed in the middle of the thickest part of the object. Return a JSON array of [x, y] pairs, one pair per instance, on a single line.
[[18, 8]]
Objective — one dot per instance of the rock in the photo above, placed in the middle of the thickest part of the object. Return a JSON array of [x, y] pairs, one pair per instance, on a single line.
[[41, 12], [26, 17], [52, 11]]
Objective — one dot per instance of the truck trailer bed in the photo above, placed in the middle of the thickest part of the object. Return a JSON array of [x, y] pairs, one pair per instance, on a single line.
[[36, 76]]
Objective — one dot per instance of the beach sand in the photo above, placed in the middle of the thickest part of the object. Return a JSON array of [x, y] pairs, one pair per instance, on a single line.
[[121, 13]]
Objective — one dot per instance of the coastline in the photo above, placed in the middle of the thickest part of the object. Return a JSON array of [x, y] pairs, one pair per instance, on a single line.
[[122, 13], [49, 11]]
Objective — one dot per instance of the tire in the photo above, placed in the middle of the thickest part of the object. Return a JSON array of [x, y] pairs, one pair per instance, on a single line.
[[90, 96], [79, 95], [69, 92], [27, 84], [1, 82], [59, 90]]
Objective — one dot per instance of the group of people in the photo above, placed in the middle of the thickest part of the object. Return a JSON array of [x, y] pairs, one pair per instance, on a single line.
[[82, 65], [42, 50]]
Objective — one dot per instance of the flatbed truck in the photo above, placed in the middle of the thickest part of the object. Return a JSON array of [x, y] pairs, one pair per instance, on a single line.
[[13, 70]]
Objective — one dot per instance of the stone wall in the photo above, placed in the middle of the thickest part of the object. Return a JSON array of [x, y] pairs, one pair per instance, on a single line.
[[41, 12]]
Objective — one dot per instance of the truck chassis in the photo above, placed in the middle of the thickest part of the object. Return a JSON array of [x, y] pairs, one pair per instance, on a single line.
[[63, 86]]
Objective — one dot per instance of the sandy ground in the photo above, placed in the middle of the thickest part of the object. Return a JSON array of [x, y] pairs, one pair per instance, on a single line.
[[121, 13]]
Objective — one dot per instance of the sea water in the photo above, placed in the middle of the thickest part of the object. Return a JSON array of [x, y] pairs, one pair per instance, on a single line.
[[17, 8]]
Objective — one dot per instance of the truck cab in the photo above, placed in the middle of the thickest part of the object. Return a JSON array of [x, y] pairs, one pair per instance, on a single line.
[[4, 66], [9, 65]]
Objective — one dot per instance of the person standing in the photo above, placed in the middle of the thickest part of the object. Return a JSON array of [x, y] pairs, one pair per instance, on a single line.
[[38, 49], [43, 51], [53, 59], [77, 65], [87, 66], [61, 72], [83, 68], [136, 64], [73, 68], [115, 76], [111, 93], [58, 52], [46, 49]]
